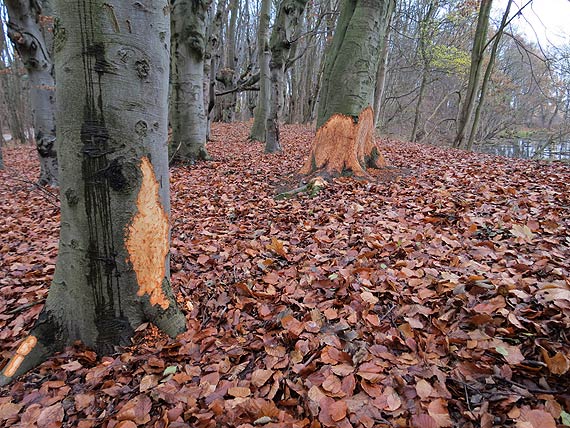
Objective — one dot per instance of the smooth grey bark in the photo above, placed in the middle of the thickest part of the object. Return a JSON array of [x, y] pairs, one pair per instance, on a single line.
[[227, 76], [112, 272], [261, 110], [280, 44], [13, 95], [382, 69], [352, 59], [208, 64], [215, 52], [188, 115], [2, 143], [477, 51], [24, 30], [487, 76], [425, 36]]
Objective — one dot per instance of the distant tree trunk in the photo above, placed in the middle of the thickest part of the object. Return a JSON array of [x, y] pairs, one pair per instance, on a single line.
[[419, 104], [2, 144], [208, 64], [382, 70], [24, 29], [285, 24], [264, 56], [425, 38], [487, 76], [188, 116], [478, 49], [112, 272], [345, 143], [227, 76], [214, 48], [13, 94]]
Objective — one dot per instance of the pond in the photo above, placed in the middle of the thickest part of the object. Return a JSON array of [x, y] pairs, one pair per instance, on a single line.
[[526, 149]]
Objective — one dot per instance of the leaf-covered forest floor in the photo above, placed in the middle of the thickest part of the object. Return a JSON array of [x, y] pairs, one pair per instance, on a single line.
[[439, 299]]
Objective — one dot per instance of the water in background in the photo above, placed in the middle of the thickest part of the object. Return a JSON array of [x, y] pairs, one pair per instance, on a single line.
[[527, 149]]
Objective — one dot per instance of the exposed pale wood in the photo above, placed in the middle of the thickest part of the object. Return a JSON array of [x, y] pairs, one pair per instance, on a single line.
[[345, 146]]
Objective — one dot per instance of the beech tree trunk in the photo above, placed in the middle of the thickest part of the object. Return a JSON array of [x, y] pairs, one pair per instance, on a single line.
[[425, 37], [344, 143], [215, 52], [188, 116], [382, 70], [477, 51], [264, 57], [281, 39], [487, 76], [2, 142], [24, 29], [112, 272], [227, 76]]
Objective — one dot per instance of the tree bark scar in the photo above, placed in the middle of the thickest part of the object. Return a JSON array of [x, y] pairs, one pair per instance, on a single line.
[[147, 239], [100, 176], [24, 349]]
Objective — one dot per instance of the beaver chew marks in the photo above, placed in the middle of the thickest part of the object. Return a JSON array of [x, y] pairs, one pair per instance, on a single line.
[[24, 349], [147, 239], [345, 146]]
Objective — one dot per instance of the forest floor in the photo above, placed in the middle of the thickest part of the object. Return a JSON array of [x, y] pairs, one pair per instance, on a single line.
[[438, 299]]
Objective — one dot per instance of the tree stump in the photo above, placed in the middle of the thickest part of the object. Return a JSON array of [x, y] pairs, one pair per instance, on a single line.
[[345, 146]]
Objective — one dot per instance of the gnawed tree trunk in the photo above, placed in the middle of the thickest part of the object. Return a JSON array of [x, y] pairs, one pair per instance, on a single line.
[[344, 143], [24, 29], [264, 56], [285, 24], [188, 116], [112, 272]]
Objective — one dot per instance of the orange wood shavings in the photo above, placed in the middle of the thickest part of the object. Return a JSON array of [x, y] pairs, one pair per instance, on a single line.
[[147, 239], [24, 349], [341, 146]]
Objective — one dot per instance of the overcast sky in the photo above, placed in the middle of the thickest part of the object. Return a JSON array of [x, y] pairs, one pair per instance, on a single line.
[[548, 18]]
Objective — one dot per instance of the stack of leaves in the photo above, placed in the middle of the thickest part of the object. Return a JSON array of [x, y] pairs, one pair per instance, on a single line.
[[437, 299]]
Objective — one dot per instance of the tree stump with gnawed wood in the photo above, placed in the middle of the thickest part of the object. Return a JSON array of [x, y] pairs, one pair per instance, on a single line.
[[345, 146]]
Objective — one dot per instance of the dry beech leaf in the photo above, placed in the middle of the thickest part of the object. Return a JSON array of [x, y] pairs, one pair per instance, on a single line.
[[423, 389], [558, 365], [277, 247], [423, 421], [136, 410], [259, 377], [148, 382], [368, 297], [51, 416], [332, 384], [126, 424], [239, 391], [535, 419], [337, 410], [72, 366], [437, 409], [9, 410]]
